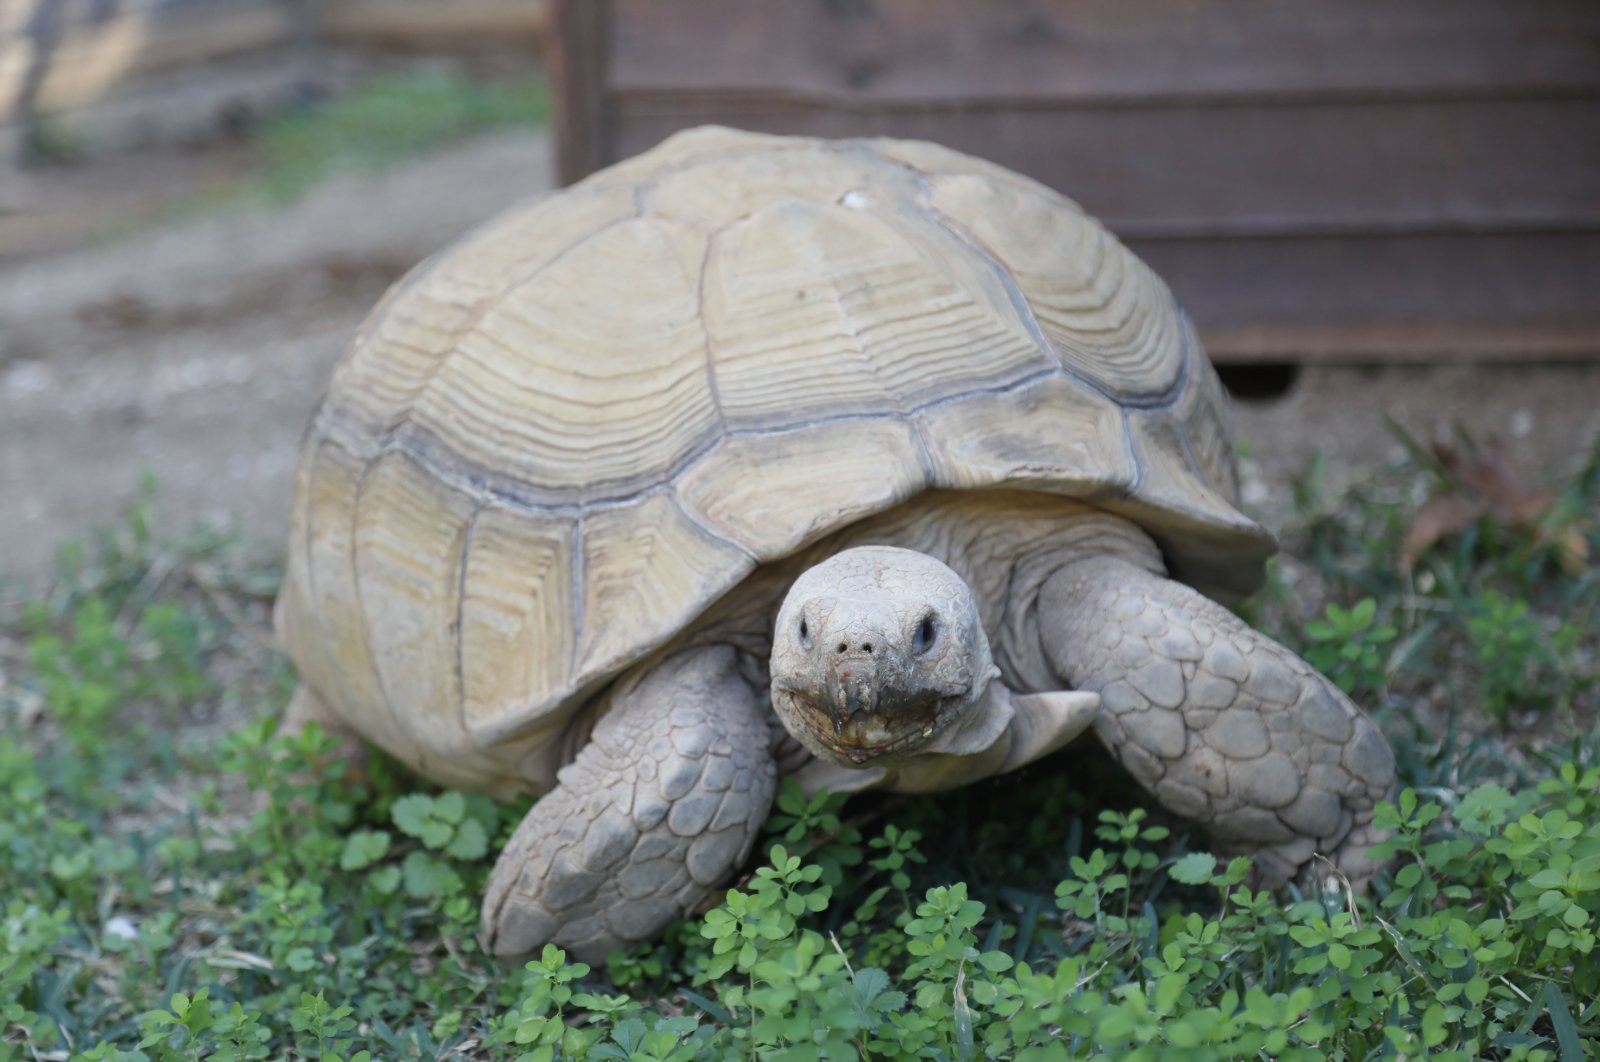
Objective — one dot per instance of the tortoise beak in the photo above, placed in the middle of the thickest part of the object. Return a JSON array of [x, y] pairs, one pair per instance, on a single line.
[[851, 689]]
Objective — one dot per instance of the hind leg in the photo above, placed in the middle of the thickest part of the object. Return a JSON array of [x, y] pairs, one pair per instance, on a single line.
[[1222, 724]]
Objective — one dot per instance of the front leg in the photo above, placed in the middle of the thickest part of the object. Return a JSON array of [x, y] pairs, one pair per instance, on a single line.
[[655, 812], [1222, 724]]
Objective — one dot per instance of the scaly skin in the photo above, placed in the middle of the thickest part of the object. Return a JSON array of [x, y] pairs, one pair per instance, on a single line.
[[655, 812], [1222, 724]]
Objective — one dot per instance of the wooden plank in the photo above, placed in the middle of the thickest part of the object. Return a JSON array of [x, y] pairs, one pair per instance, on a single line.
[[89, 60], [1239, 170], [1379, 297], [430, 25], [957, 51], [1381, 344], [1336, 180], [578, 70]]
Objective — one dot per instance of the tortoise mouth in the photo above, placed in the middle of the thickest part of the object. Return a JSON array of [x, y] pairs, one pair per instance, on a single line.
[[866, 735]]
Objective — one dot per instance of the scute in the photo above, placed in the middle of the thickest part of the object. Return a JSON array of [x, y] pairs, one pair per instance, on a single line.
[[769, 491], [893, 311], [556, 445]]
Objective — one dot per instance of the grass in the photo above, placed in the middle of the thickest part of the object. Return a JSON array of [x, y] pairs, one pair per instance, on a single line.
[[179, 882], [385, 120], [379, 123]]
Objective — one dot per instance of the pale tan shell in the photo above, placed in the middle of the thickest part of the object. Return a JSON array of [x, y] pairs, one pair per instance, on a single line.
[[554, 444]]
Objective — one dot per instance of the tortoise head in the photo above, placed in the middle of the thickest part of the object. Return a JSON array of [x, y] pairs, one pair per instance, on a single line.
[[877, 652]]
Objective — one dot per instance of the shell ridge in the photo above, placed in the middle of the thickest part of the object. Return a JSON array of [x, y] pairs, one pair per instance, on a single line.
[[361, 599], [1025, 310], [1020, 300], [577, 575], [699, 525], [711, 360], [459, 641], [471, 324]]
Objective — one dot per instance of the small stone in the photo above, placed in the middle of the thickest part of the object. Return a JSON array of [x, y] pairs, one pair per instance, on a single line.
[[1238, 734], [123, 927], [1324, 716], [1271, 781], [1314, 813], [1160, 681], [1162, 732], [1209, 691], [1225, 661]]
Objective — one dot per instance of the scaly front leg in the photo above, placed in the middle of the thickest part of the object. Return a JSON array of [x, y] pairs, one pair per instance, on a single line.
[[653, 814], [1222, 724]]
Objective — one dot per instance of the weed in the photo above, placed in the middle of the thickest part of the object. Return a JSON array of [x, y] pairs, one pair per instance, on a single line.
[[1347, 645]]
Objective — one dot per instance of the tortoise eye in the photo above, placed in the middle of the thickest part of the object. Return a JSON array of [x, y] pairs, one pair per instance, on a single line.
[[805, 634], [927, 634]]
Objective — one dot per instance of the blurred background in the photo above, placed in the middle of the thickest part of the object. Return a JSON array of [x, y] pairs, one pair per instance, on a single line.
[[1378, 213]]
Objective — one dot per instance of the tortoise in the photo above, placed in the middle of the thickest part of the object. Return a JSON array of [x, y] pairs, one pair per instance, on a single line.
[[861, 461]]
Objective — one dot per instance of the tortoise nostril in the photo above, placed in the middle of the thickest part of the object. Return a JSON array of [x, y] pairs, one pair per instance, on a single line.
[[843, 648], [867, 648]]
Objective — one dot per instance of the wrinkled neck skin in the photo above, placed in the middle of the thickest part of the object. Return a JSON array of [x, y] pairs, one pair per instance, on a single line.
[[989, 550], [879, 655]]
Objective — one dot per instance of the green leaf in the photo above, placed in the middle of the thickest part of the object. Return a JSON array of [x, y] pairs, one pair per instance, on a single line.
[[470, 842], [363, 848], [1195, 868], [427, 878], [1566, 1029]]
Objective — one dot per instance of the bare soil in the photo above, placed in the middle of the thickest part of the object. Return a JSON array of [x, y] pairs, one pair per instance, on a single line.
[[197, 351]]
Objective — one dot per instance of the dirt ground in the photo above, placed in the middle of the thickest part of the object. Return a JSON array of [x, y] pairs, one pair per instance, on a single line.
[[196, 352]]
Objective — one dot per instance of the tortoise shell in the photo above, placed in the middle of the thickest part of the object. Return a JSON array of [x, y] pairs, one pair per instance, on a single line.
[[553, 445]]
